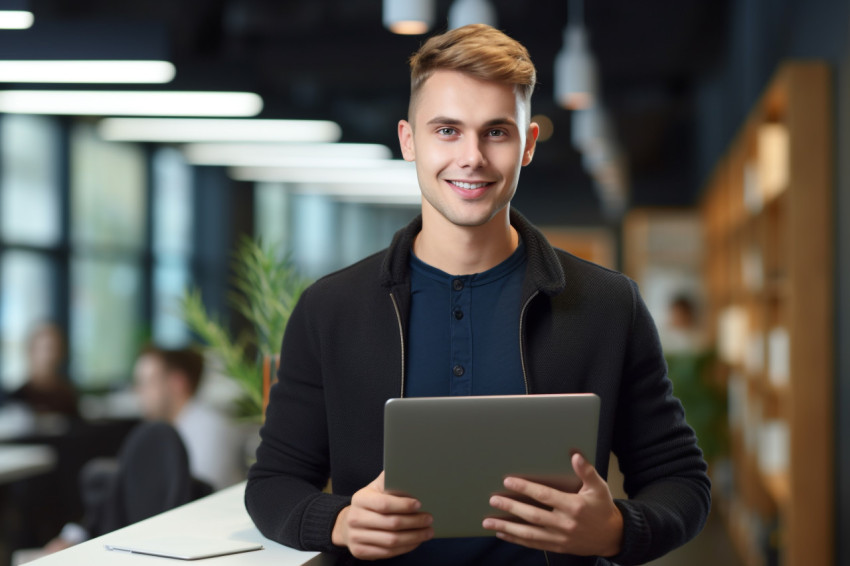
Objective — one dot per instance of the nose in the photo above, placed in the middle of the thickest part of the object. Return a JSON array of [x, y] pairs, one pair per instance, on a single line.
[[471, 154]]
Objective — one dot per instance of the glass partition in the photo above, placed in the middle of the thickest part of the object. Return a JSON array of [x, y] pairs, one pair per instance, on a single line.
[[106, 326], [108, 208], [26, 280], [172, 244], [29, 188], [107, 192]]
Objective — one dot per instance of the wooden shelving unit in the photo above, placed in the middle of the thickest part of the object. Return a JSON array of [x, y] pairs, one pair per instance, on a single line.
[[768, 214]]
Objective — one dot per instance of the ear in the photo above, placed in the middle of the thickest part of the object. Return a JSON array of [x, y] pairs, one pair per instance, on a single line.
[[530, 143], [405, 140]]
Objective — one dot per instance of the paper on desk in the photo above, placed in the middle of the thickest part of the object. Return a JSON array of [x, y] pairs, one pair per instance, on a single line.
[[184, 548]]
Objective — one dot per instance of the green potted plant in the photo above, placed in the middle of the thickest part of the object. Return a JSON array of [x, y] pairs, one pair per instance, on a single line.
[[265, 289]]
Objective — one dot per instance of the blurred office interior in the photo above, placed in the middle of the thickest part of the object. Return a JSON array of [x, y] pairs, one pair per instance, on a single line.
[[708, 159]]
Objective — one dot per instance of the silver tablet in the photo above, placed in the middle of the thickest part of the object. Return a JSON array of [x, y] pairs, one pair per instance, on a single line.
[[452, 453]]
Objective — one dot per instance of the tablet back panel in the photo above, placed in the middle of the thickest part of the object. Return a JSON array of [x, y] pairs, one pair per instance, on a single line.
[[452, 453]]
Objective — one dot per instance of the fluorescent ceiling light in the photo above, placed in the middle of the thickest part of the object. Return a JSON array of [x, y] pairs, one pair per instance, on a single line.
[[389, 172], [195, 130], [402, 194], [352, 155], [15, 19], [387, 182], [86, 71], [130, 103]]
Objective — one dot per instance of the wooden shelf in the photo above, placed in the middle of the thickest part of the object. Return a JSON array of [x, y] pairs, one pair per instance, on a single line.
[[778, 485], [772, 258]]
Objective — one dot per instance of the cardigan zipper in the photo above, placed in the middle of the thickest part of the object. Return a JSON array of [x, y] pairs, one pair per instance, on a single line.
[[521, 348], [401, 338], [525, 370]]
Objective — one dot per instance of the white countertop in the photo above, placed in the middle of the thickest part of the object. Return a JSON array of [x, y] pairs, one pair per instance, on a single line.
[[219, 516]]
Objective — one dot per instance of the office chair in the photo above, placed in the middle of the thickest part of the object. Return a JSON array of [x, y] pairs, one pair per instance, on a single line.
[[152, 476]]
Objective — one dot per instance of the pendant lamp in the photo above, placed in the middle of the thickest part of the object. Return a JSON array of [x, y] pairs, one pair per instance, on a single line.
[[575, 68], [409, 17], [464, 12]]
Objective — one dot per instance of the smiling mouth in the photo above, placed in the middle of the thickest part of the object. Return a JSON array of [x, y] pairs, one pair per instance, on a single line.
[[469, 186]]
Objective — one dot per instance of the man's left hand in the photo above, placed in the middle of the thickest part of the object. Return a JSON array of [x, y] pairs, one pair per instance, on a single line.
[[585, 523]]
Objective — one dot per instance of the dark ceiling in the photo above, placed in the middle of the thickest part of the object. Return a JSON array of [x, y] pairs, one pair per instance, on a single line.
[[333, 59]]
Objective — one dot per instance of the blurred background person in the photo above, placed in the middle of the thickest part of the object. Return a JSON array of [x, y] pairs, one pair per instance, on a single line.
[[166, 382], [47, 389], [689, 363], [683, 329]]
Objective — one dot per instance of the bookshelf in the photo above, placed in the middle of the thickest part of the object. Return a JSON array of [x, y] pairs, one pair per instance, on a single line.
[[767, 214]]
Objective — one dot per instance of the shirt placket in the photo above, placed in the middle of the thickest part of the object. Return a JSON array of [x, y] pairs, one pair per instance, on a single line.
[[461, 337]]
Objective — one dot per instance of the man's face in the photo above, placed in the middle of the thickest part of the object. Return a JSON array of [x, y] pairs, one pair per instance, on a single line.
[[469, 138], [151, 385]]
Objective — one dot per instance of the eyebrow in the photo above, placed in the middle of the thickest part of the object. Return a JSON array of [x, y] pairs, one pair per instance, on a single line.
[[503, 121]]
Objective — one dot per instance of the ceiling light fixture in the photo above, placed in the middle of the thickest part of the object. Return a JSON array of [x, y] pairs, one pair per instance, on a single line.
[[409, 17], [575, 68], [408, 195], [464, 12], [176, 130], [329, 155], [389, 172], [130, 103], [114, 72], [388, 182], [16, 19]]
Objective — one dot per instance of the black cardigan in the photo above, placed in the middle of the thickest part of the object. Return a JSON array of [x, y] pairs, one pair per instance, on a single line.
[[583, 328]]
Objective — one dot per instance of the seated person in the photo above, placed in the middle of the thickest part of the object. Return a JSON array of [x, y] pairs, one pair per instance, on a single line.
[[47, 390], [166, 382]]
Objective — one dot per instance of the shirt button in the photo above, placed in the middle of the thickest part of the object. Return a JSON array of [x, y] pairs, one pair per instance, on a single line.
[[458, 370], [457, 284], [458, 314]]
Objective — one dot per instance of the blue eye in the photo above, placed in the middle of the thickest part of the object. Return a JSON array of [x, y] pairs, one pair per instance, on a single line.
[[496, 133], [446, 131]]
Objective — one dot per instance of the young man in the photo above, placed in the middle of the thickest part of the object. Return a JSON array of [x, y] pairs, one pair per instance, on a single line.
[[470, 299]]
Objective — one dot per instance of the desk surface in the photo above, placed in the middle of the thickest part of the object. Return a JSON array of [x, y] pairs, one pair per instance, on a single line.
[[219, 516], [19, 461]]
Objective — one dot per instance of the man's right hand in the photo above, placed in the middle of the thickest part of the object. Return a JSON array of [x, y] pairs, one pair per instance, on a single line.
[[379, 525]]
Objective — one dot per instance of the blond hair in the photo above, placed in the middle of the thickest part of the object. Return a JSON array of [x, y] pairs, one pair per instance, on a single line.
[[478, 50]]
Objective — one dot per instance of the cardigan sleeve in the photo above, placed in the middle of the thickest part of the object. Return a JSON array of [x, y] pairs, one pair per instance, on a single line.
[[665, 473], [284, 494]]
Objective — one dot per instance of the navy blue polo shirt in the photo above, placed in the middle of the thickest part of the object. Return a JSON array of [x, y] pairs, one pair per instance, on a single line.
[[464, 340]]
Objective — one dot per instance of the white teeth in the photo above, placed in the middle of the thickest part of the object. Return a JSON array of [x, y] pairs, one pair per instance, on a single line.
[[463, 185]]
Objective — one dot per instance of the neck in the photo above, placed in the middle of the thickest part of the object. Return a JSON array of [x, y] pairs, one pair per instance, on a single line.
[[464, 250], [175, 409]]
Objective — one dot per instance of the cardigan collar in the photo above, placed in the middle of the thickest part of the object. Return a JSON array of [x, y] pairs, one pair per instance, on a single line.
[[544, 269]]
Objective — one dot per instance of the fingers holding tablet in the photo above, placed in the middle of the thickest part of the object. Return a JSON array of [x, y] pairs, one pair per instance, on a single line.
[[378, 524], [583, 523]]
